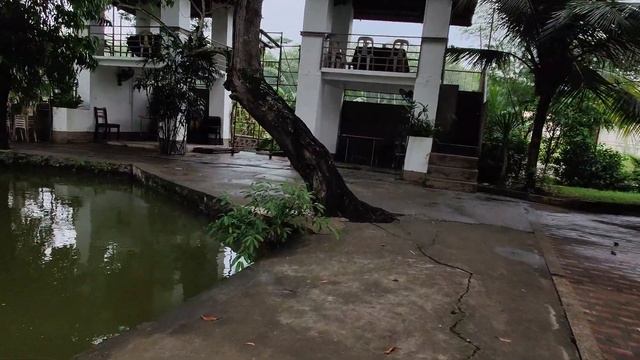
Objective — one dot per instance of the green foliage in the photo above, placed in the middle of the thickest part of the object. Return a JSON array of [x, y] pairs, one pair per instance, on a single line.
[[608, 196], [271, 216], [418, 123], [42, 45], [570, 48], [583, 163], [66, 100], [504, 149]]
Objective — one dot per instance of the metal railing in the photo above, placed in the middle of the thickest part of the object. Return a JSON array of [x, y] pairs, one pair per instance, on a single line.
[[127, 41], [133, 41], [371, 52]]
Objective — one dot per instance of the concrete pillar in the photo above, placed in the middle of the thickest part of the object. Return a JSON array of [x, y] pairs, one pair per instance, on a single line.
[[177, 15], [319, 103], [435, 31], [342, 24], [219, 101]]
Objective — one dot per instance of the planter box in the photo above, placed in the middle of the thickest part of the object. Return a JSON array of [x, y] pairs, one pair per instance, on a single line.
[[416, 160], [72, 125]]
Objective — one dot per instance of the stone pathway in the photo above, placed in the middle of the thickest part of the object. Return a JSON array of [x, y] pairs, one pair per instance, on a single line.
[[600, 256]]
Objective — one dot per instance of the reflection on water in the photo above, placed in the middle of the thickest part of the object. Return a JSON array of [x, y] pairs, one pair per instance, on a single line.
[[82, 259]]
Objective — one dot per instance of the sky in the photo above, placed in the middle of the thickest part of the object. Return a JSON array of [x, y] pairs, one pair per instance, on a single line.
[[287, 16]]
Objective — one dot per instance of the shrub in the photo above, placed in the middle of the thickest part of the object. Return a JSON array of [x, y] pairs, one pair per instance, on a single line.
[[583, 163], [270, 218]]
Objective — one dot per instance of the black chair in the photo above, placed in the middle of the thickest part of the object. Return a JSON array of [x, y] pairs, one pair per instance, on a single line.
[[214, 130], [102, 122]]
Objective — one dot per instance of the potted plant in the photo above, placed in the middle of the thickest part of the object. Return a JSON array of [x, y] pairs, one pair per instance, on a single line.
[[419, 132]]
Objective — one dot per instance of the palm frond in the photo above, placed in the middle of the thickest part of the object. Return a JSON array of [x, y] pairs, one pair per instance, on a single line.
[[607, 31], [481, 58], [619, 95]]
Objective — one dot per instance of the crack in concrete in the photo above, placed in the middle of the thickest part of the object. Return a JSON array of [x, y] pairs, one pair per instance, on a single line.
[[458, 306]]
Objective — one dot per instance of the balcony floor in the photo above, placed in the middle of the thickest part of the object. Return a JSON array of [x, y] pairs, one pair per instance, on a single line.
[[366, 80]]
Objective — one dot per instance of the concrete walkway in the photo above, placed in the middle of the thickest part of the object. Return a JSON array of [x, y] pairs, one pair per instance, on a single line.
[[459, 276]]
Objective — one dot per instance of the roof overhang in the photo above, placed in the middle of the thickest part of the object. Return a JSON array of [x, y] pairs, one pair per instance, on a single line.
[[409, 10]]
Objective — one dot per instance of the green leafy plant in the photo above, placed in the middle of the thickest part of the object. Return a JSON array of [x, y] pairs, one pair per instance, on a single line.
[[418, 116], [183, 65], [272, 215], [583, 163]]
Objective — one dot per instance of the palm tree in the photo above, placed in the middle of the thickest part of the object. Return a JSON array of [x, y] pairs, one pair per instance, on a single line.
[[570, 47]]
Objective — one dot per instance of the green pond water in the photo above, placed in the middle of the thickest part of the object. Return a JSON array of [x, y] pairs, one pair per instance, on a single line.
[[83, 259]]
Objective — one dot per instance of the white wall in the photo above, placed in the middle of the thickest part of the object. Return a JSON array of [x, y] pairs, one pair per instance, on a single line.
[[319, 102], [220, 103], [73, 120], [125, 105], [84, 88], [629, 145]]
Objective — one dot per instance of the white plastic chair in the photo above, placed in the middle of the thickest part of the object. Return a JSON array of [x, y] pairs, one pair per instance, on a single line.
[[399, 47], [20, 123], [365, 44], [334, 57]]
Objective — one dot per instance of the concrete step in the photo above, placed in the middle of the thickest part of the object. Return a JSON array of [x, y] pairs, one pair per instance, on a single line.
[[456, 161], [452, 185], [456, 149], [452, 173]]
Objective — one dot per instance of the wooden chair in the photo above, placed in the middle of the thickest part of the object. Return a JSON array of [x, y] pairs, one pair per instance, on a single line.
[[102, 122], [366, 46], [398, 54]]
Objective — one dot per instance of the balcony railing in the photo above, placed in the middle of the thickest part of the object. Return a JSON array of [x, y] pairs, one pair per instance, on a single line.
[[371, 53], [135, 41], [127, 41]]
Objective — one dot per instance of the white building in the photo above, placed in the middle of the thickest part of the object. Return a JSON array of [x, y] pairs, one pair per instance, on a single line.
[[121, 59], [336, 63], [628, 144]]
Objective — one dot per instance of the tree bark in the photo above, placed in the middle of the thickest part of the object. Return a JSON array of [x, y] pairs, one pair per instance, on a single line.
[[4, 132], [542, 110], [307, 154]]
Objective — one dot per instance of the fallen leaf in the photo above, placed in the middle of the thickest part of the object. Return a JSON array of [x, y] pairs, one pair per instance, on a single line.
[[250, 343], [390, 350], [504, 340], [207, 317]]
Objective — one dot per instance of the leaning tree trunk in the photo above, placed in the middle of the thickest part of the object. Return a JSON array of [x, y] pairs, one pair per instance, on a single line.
[[4, 97], [307, 154], [544, 103]]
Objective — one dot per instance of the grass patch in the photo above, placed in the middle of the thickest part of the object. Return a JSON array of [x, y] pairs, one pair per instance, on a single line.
[[615, 197]]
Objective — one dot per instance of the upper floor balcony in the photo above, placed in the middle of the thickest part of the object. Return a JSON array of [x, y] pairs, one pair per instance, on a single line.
[[376, 55], [132, 45], [380, 63]]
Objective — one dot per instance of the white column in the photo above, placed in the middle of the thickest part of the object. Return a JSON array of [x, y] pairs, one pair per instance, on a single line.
[[219, 101], [342, 23], [435, 32], [177, 15], [319, 103]]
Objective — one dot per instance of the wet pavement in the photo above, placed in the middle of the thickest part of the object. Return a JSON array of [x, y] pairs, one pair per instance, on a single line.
[[600, 257], [483, 291]]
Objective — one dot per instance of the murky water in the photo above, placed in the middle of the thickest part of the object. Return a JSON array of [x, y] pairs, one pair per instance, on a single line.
[[83, 259]]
